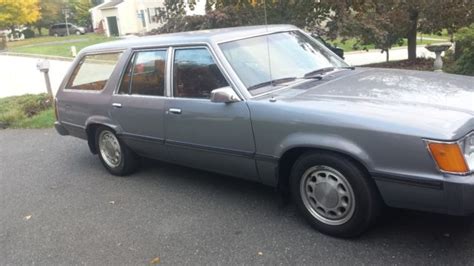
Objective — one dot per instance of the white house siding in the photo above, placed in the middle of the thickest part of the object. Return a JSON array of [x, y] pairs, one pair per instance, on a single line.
[[129, 12], [199, 8], [150, 11], [128, 20]]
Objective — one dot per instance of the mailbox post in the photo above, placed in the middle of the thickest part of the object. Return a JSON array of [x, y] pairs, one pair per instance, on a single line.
[[43, 66]]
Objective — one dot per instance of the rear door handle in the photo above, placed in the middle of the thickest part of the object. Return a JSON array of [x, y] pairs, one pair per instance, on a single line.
[[175, 111], [117, 105]]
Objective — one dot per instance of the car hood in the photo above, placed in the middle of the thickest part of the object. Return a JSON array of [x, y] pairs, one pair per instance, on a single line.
[[431, 101]]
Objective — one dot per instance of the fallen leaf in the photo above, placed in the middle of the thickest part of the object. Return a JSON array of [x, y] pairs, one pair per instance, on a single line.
[[112, 202], [155, 260], [26, 218], [260, 253]]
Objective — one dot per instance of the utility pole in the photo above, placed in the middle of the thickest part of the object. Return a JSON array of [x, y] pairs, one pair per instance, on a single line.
[[66, 15]]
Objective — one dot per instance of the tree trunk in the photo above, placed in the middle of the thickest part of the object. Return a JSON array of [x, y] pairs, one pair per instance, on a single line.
[[412, 35], [40, 31], [387, 55]]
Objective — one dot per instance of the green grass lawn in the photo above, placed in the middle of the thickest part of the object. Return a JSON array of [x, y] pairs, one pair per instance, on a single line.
[[56, 46], [26, 111]]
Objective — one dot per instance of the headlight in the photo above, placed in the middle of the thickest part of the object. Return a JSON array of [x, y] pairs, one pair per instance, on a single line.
[[454, 157], [467, 145]]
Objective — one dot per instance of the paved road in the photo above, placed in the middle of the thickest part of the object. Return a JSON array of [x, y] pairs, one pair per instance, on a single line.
[[79, 214], [18, 75]]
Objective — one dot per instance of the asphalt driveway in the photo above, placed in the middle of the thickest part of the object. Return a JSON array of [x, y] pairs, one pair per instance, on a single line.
[[59, 206]]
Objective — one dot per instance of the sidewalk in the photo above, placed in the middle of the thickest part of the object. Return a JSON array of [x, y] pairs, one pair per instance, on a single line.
[[358, 58]]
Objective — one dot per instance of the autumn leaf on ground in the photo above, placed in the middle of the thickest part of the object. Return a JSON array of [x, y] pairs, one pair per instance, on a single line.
[[26, 218], [155, 261]]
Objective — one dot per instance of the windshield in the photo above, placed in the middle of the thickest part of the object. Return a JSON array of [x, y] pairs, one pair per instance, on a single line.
[[292, 55]]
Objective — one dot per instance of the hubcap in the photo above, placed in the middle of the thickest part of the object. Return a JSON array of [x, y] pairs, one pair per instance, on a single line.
[[110, 148], [327, 195]]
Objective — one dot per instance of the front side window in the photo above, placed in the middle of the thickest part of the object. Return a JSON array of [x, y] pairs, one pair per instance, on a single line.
[[284, 55], [196, 74], [93, 72], [145, 74]]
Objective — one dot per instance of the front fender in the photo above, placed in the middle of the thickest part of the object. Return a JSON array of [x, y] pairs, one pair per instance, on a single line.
[[326, 142]]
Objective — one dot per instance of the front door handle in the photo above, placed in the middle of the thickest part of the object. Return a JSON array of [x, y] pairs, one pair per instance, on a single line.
[[117, 105], [175, 111]]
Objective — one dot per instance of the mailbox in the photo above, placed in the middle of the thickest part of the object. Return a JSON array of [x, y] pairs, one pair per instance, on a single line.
[[43, 66]]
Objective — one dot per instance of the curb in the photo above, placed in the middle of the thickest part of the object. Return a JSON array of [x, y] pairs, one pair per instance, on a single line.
[[39, 56]]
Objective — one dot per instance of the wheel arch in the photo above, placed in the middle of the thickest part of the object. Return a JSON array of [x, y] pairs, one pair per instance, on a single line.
[[92, 124], [294, 147]]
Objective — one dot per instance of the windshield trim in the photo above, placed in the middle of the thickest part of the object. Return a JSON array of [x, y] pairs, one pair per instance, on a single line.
[[270, 32], [256, 35]]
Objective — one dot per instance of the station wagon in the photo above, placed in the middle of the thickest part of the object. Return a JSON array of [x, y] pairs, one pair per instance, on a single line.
[[273, 105]]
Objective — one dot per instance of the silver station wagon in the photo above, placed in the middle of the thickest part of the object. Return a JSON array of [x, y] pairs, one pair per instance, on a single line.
[[273, 105]]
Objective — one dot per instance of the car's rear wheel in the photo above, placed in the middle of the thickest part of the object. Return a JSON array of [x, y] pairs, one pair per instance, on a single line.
[[116, 157], [334, 194]]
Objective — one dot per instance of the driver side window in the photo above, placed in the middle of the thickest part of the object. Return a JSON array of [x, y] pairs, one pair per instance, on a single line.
[[195, 74]]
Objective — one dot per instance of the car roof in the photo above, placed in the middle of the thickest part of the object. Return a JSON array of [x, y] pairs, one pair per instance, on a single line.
[[189, 37]]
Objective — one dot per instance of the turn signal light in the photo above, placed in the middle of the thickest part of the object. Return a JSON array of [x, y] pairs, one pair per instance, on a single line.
[[448, 157]]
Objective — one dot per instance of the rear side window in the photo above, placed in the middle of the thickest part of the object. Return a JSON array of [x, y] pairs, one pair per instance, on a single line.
[[145, 74], [93, 72]]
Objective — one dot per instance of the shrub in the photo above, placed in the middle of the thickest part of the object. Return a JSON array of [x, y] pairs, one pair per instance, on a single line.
[[465, 51], [28, 33]]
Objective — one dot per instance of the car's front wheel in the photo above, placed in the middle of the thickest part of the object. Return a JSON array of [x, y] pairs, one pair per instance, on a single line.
[[117, 158], [334, 194]]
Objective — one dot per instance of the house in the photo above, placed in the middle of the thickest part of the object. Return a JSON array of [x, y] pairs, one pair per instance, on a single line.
[[123, 17]]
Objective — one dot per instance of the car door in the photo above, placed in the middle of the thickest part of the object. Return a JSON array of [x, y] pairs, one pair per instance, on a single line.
[[200, 133], [139, 103], [62, 29]]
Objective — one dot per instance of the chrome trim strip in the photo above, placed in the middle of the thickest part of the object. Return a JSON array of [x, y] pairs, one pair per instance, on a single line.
[[408, 180], [239, 153], [142, 137], [233, 152]]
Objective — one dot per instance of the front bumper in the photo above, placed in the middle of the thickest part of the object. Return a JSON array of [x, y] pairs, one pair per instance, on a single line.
[[447, 194], [60, 129]]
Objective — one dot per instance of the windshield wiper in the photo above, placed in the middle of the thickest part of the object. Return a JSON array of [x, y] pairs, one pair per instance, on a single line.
[[318, 72], [349, 67], [271, 82]]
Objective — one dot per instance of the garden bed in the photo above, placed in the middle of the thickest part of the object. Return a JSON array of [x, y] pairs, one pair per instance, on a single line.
[[26, 111]]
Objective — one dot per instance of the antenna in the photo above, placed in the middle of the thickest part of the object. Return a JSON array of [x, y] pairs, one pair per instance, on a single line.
[[268, 45]]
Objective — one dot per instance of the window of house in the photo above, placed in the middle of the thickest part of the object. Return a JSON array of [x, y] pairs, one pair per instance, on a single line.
[[145, 74], [196, 74], [93, 72]]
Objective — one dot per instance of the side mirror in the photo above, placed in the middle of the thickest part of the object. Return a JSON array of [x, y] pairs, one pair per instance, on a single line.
[[224, 95]]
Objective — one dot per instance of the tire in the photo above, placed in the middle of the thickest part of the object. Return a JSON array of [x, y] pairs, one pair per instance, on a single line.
[[107, 145], [336, 196]]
